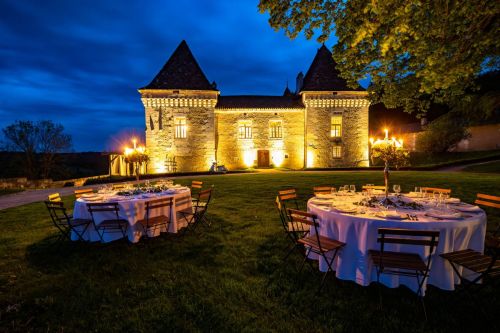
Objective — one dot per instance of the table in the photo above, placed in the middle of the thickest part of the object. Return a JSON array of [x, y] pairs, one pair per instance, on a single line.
[[133, 209], [359, 232]]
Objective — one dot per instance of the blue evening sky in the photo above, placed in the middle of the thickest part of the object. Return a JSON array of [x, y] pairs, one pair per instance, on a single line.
[[79, 63]]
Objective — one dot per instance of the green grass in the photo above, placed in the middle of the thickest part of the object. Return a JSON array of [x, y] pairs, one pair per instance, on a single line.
[[227, 278], [5, 191], [491, 167]]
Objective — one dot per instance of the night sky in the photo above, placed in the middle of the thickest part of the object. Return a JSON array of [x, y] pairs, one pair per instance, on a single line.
[[80, 63]]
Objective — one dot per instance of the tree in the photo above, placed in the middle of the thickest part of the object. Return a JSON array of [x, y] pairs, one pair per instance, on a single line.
[[443, 134], [40, 142], [414, 52], [137, 157]]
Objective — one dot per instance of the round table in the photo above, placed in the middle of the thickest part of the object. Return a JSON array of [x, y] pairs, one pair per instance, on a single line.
[[133, 209], [359, 232]]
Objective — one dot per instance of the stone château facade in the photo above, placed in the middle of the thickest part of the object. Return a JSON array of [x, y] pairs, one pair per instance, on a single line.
[[189, 125]]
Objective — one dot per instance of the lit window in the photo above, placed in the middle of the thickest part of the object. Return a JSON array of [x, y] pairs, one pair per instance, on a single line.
[[245, 129], [180, 127], [337, 152], [336, 130], [275, 131]]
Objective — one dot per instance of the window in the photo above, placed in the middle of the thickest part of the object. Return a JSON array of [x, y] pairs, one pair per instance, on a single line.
[[336, 129], [275, 131], [245, 129], [337, 152], [180, 127]]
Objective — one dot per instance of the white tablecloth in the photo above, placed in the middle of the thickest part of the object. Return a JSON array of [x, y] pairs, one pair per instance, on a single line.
[[359, 232], [133, 209]]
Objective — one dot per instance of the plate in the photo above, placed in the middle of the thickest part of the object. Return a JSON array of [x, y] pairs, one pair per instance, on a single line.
[[392, 216], [347, 210], [468, 208], [444, 215]]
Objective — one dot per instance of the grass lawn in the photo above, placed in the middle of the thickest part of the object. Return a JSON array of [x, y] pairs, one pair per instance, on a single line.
[[5, 191], [227, 278], [491, 167]]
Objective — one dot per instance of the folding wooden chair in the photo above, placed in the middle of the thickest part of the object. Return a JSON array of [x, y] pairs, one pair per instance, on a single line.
[[288, 199], [198, 211], [292, 234], [485, 266], [196, 186], [374, 187], [120, 186], [404, 263], [154, 222], [113, 225], [64, 222], [54, 197], [322, 189], [79, 193], [427, 190], [315, 243]]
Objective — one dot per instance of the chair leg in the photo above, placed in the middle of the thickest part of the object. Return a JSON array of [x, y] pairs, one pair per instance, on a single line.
[[419, 293], [329, 269]]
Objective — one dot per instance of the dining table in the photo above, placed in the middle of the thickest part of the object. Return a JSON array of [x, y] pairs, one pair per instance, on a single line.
[[354, 218], [132, 207]]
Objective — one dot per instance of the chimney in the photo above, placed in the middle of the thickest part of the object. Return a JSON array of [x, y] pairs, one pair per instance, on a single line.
[[299, 82]]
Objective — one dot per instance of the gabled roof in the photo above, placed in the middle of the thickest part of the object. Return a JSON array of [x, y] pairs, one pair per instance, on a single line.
[[323, 74], [181, 71], [259, 102]]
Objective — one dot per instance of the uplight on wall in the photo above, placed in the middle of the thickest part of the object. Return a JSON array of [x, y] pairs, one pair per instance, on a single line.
[[310, 159], [277, 156], [248, 158]]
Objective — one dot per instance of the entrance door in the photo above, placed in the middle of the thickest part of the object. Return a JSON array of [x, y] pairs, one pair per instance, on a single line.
[[263, 158]]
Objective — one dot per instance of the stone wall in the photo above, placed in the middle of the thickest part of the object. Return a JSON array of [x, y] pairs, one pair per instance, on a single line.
[[237, 153], [320, 107], [196, 152]]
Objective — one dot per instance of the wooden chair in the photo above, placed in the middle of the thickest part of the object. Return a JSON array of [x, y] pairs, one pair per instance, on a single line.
[[322, 190], [314, 243], [120, 186], [489, 201], [198, 211], [404, 263], [113, 225], [374, 187], [292, 234], [54, 197], [288, 199], [79, 193], [64, 222], [486, 266], [196, 185], [427, 190], [154, 222]]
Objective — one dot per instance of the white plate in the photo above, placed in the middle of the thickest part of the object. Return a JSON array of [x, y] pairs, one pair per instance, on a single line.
[[468, 208], [444, 216], [392, 216]]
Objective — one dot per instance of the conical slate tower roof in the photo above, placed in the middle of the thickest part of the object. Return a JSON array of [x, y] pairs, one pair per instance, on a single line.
[[323, 74], [181, 71]]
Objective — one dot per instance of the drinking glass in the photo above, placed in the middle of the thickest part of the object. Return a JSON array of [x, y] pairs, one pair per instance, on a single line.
[[333, 190], [352, 188], [417, 190], [396, 188]]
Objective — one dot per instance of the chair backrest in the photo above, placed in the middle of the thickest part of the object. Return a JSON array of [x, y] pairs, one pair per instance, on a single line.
[[487, 200], [79, 193], [102, 207], [119, 186], [374, 187], [288, 196], [57, 212], [196, 184], [205, 195], [55, 197], [158, 203], [436, 189], [301, 221], [324, 189], [428, 238]]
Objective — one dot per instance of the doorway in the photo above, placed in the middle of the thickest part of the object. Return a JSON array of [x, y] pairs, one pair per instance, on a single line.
[[263, 158]]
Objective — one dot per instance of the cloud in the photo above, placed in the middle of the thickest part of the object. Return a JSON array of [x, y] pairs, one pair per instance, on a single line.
[[80, 63]]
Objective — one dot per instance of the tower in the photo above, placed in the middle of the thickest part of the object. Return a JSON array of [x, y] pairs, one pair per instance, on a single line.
[[179, 114]]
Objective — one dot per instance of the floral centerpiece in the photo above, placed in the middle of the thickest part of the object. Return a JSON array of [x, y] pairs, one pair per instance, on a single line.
[[392, 153]]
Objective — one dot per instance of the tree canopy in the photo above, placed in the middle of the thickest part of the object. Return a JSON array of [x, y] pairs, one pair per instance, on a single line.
[[414, 52]]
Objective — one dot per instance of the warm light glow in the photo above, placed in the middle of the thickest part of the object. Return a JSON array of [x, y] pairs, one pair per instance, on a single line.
[[371, 140], [278, 157], [160, 167], [386, 133], [310, 162], [134, 140], [248, 158], [393, 141]]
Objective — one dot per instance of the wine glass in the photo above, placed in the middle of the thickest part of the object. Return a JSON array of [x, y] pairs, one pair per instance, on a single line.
[[352, 188], [333, 191], [396, 188], [417, 190]]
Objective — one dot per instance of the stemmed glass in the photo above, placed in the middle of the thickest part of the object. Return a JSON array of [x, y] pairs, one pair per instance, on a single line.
[[397, 189], [333, 191], [352, 188]]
